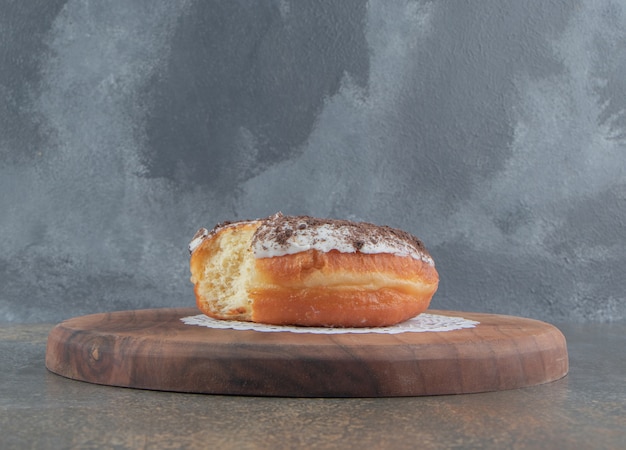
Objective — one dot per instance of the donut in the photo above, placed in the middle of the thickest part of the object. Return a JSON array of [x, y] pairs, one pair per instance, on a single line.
[[307, 271]]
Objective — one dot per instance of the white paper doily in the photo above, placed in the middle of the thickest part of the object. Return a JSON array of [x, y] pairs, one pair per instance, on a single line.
[[422, 323]]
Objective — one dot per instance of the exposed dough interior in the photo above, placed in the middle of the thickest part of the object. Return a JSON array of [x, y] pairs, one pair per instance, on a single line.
[[226, 271]]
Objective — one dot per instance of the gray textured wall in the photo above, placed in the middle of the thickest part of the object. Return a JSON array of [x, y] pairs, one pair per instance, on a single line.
[[495, 130]]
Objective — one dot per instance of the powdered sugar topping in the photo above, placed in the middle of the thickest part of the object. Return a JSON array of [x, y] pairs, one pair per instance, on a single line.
[[283, 235], [280, 235]]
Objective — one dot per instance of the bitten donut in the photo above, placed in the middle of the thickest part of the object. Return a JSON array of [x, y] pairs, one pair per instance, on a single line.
[[300, 270]]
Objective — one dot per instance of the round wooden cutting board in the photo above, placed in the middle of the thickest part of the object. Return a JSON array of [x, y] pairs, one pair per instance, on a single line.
[[153, 349]]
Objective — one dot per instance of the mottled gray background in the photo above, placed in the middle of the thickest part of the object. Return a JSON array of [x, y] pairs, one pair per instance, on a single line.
[[495, 130]]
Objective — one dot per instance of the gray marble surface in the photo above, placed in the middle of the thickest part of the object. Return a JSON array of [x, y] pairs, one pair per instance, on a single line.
[[585, 410], [495, 130]]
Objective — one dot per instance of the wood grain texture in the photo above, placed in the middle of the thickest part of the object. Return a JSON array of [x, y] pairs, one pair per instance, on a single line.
[[153, 349]]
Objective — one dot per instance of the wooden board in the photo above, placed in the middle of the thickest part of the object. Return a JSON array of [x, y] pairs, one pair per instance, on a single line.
[[153, 349]]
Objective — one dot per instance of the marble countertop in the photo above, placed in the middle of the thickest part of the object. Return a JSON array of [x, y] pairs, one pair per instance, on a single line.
[[586, 409]]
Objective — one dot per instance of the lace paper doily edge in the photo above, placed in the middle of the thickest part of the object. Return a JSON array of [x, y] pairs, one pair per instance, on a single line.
[[441, 324]]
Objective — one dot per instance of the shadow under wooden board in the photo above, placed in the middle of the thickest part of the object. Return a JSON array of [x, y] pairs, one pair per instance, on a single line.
[[154, 349]]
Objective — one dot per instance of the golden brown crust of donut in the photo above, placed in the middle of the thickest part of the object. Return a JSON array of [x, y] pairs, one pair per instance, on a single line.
[[309, 288], [331, 308]]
